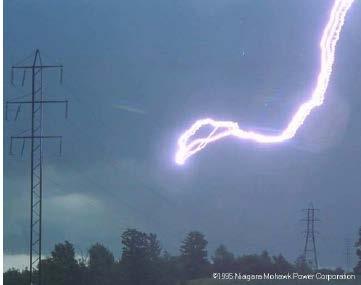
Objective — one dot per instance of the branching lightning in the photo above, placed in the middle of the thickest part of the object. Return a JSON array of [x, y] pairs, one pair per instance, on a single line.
[[188, 145]]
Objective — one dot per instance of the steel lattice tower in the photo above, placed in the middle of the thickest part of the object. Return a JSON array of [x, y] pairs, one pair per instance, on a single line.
[[36, 138], [310, 250], [348, 247]]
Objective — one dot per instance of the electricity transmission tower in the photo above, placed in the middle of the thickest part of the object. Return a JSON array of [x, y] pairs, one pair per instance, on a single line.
[[348, 254], [36, 138], [310, 251]]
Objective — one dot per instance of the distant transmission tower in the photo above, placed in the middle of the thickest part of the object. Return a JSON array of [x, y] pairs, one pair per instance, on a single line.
[[310, 250], [36, 138], [348, 247]]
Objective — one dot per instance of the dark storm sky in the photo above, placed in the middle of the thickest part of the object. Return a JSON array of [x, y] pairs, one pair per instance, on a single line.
[[137, 73]]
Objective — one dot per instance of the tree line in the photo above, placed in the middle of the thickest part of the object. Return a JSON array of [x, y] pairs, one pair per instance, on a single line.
[[144, 262]]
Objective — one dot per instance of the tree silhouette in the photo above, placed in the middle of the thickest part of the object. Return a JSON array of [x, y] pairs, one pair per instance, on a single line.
[[255, 264], [171, 269], [194, 255], [281, 265], [140, 258], [101, 264], [15, 277], [301, 265], [61, 268], [223, 260], [142, 263]]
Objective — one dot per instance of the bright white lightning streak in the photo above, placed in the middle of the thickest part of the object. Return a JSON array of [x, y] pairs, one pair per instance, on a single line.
[[221, 129]]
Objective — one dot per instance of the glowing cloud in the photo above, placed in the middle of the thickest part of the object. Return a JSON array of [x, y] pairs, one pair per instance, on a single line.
[[188, 145]]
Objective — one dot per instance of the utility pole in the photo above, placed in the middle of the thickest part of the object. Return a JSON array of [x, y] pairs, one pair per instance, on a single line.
[[36, 138], [310, 250]]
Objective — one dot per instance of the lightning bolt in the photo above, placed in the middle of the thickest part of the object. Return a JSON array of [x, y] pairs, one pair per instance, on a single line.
[[188, 145]]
